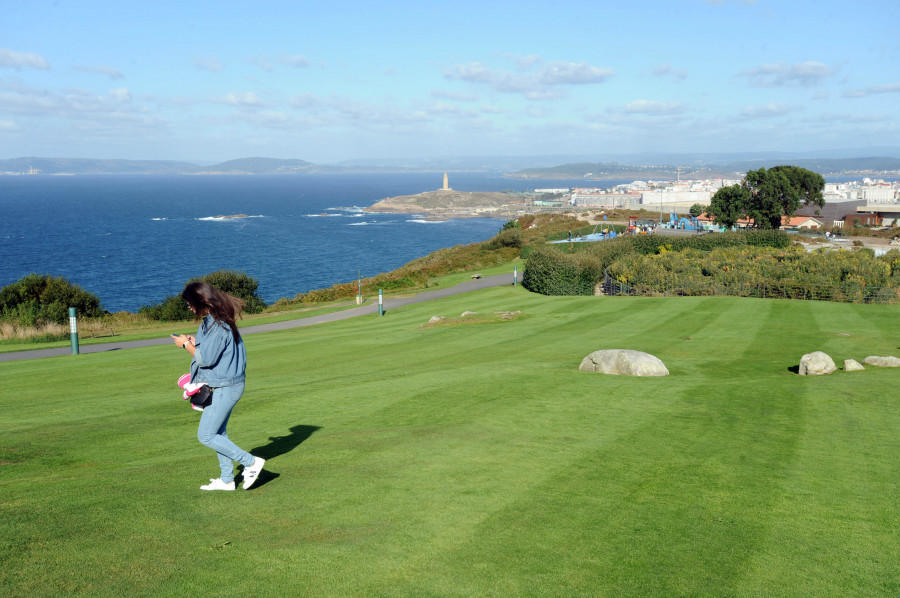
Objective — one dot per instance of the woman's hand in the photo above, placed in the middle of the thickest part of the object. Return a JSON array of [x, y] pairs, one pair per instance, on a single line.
[[182, 339]]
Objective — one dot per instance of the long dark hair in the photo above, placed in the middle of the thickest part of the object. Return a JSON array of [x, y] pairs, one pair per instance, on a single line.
[[207, 299]]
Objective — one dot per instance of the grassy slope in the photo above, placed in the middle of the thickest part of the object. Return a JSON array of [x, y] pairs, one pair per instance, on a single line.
[[472, 460]]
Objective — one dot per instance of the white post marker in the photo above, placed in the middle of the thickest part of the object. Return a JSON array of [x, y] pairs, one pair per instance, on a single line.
[[515, 274], [73, 330], [380, 303]]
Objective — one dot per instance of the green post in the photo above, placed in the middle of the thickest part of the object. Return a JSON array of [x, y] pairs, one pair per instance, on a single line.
[[515, 274], [73, 330], [380, 303]]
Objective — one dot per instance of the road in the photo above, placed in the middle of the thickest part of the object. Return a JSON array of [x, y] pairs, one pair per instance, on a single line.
[[367, 309]]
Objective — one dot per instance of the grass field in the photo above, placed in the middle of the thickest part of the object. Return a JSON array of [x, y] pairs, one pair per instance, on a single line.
[[472, 459]]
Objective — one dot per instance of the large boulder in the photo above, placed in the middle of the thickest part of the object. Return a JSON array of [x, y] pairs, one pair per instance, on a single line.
[[884, 362], [816, 363], [851, 365], [624, 362]]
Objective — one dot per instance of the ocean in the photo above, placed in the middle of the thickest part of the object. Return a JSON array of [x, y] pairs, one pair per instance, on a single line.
[[133, 240]]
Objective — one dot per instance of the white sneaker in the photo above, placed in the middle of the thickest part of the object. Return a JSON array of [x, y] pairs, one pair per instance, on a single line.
[[252, 472], [218, 484]]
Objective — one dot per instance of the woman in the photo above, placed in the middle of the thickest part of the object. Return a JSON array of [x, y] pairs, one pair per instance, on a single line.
[[219, 360]]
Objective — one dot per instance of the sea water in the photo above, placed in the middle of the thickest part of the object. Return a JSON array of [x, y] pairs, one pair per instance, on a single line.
[[133, 240]]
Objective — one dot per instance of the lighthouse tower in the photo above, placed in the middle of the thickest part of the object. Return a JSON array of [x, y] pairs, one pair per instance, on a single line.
[[446, 183]]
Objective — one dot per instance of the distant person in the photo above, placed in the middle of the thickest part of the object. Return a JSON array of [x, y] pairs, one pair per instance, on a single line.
[[219, 360]]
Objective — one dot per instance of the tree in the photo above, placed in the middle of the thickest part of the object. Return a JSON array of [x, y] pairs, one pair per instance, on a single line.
[[696, 210], [174, 308], [729, 204], [809, 185], [772, 197], [768, 196], [40, 298]]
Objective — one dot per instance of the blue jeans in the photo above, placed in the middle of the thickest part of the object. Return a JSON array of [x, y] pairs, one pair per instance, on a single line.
[[211, 431]]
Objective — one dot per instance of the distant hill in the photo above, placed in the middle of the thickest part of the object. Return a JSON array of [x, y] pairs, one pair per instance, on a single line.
[[259, 166], [647, 166], [604, 171], [93, 166], [827, 166], [873, 166]]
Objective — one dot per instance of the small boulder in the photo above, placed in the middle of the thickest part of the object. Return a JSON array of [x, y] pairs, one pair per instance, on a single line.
[[476, 276], [816, 363], [468, 313], [851, 365], [507, 315], [624, 362], [436, 319], [883, 362]]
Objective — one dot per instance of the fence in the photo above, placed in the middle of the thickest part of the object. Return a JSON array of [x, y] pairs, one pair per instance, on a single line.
[[845, 293]]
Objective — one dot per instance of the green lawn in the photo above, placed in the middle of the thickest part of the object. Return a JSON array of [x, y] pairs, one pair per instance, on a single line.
[[472, 459]]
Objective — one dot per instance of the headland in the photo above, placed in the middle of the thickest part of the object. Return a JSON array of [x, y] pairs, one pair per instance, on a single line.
[[448, 203]]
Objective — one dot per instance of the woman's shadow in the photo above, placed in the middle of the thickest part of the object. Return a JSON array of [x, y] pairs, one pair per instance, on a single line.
[[280, 445]]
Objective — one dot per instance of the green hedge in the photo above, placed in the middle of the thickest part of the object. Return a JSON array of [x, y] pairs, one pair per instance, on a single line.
[[557, 270], [37, 299], [174, 309]]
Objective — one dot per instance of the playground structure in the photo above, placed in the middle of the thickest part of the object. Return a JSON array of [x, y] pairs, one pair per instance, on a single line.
[[683, 223], [639, 226]]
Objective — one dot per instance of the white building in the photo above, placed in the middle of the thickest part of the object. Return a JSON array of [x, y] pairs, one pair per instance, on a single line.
[[666, 197]]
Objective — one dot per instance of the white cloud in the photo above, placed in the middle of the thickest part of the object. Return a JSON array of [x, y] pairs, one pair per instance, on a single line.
[[121, 94], [210, 64], [456, 96], [770, 110], [525, 62], [305, 101], [446, 110], [113, 114], [111, 72], [7, 125], [535, 85], [262, 62], [848, 118], [296, 60], [654, 107], [246, 99], [666, 70], [570, 73], [545, 95], [779, 73], [18, 60], [876, 89]]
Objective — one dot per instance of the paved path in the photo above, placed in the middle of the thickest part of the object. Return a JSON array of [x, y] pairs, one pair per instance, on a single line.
[[370, 308]]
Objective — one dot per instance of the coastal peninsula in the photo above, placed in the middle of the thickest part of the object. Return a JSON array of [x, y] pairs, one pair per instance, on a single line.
[[447, 203]]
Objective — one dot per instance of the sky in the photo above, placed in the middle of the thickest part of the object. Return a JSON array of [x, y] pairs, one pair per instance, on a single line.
[[331, 81]]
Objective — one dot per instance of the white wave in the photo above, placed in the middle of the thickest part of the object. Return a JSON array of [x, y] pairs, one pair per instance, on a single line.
[[227, 218], [346, 209], [323, 215], [423, 221], [159, 219]]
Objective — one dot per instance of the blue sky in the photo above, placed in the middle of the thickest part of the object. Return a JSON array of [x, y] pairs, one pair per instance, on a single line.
[[325, 82]]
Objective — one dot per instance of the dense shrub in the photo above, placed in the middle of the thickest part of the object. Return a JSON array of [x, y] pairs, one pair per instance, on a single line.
[[37, 299], [508, 237], [174, 308], [552, 270], [762, 271], [237, 284]]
